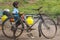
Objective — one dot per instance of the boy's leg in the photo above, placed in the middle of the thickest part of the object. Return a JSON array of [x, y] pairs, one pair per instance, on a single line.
[[18, 22]]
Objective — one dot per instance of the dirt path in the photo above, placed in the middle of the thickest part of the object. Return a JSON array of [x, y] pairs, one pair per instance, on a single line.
[[35, 33]]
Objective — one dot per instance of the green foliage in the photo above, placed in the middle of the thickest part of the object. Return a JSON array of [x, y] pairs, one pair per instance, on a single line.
[[50, 7]]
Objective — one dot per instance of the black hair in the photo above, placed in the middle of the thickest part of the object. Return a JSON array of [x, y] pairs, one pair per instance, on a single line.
[[15, 4]]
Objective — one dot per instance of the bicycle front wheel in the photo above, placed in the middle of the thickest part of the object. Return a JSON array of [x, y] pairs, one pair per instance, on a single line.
[[6, 29], [48, 28]]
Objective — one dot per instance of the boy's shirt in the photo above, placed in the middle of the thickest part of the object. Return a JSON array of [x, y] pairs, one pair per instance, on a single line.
[[15, 11]]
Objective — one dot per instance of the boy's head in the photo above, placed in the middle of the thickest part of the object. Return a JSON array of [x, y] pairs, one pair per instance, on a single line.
[[15, 4]]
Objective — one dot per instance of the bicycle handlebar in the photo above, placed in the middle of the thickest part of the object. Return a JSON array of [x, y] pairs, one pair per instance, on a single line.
[[37, 9]]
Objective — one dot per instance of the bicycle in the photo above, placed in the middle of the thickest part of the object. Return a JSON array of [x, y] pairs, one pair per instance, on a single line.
[[18, 30]]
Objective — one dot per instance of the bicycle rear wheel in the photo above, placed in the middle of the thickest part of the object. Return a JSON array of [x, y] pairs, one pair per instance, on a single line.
[[48, 28], [6, 29]]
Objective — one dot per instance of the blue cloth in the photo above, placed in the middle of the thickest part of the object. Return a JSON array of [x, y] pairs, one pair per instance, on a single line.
[[15, 12]]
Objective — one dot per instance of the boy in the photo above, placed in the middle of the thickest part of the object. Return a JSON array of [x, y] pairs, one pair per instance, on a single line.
[[16, 15], [16, 12]]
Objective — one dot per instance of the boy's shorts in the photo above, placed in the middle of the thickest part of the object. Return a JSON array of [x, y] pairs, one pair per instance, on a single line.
[[16, 17]]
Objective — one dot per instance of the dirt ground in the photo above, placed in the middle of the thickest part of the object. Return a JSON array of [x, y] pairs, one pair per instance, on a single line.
[[35, 33]]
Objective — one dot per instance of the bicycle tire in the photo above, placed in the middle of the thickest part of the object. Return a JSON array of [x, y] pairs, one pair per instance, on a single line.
[[47, 21], [45, 24], [3, 25]]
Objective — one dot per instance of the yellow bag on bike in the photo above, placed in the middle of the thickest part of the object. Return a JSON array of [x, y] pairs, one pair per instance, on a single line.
[[3, 18], [29, 21]]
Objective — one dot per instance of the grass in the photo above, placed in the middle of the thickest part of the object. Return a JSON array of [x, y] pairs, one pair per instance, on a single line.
[[51, 8]]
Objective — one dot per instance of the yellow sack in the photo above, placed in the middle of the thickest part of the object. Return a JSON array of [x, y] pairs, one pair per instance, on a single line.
[[29, 21], [3, 18]]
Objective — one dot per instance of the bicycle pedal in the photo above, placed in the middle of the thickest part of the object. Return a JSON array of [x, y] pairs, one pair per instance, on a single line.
[[32, 29]]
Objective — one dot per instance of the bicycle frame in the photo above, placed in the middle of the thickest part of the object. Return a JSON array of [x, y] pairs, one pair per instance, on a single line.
[[40, 17]]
